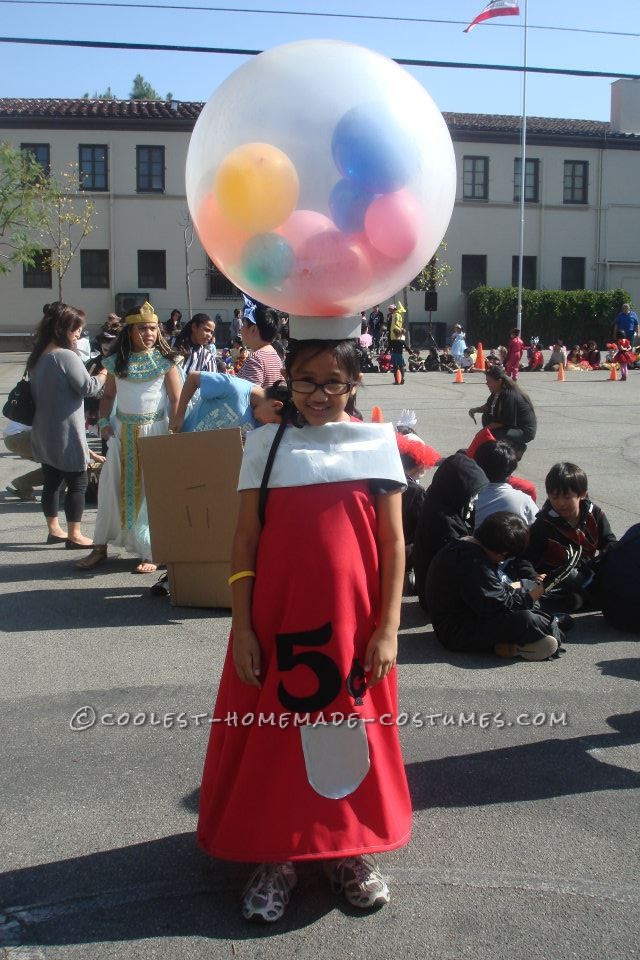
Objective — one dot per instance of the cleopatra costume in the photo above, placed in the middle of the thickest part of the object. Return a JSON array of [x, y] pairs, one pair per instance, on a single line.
[[141, 412], [278, 783]]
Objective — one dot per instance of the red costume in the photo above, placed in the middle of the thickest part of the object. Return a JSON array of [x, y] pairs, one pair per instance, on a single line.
[[515, 350], [315, 605], [625, 354]]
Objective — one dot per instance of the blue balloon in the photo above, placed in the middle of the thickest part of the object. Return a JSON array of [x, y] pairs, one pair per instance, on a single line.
[[371, 148], [348, 202], [267, 260]]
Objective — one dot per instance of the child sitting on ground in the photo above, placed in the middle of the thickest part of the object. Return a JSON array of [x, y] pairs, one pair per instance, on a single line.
[[474, 607], [467, 361], [567, 520], [534, 355]]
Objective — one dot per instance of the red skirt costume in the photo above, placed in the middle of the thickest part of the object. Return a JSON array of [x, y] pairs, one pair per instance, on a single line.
[[315, 602]]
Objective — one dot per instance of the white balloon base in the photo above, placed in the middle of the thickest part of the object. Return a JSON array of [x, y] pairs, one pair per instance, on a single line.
[[324, 328]]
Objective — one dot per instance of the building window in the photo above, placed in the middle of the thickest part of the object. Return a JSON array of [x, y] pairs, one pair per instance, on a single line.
[[531, 180], [576, 181], [39, 275], [150, 169], [217, 283], [573, 273], [94, 268], [529, 272], [93, 166], [475, 178], [41, 153], [473, 272], [152, 269]]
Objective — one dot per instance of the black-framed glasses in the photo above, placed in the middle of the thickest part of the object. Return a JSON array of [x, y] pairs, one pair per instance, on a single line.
[[332, 388]]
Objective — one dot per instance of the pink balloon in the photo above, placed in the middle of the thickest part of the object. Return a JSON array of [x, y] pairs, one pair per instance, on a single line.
[[330, 266], [302, 225], [391, 224]]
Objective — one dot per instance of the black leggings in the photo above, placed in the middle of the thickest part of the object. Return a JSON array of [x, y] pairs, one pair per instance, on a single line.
[[74, 498]]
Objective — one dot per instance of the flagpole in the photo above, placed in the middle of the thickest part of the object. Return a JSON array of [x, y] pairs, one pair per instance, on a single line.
[[523, 170]]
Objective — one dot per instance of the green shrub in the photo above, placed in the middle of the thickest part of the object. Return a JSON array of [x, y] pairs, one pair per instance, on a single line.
[[573, 315]]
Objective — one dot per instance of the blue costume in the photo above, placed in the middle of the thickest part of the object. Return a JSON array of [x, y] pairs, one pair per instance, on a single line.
[[224, 402]]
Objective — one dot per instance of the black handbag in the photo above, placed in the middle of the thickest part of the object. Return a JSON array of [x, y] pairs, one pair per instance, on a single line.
[[20, 405]]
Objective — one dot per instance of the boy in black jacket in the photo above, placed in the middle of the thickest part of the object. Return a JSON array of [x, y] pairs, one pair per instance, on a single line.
[[569, 518], [475, 608]]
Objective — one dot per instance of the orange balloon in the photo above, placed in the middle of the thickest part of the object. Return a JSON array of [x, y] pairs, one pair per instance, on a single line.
[[256, 187], [222, 240]]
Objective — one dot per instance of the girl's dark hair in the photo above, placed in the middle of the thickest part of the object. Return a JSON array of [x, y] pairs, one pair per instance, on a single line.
[[58, 322], [503, 532], [566, 478], [345, 353], [122, 346], [267, 321], [497, 372], [183, 340], [280, 391]]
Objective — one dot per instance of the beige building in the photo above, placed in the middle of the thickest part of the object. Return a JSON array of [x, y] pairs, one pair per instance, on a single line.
[[582, 193]]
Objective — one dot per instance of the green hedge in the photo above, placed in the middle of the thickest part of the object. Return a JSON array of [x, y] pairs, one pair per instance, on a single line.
[[573, 315]]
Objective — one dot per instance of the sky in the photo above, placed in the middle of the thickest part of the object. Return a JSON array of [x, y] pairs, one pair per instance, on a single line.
[[37, 71]]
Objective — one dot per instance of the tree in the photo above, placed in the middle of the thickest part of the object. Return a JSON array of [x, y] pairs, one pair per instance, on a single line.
[[435, 273], [68, 216], [142, 89], [107, 95], [25, 190]]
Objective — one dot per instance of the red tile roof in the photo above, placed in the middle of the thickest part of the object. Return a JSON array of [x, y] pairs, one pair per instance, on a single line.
[[184, 113]]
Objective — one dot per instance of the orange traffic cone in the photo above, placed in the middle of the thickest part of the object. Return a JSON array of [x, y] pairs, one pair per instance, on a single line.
[[459, 378], [398, 376], [613, 375], [560, 373], [479, 364], [376, 415]]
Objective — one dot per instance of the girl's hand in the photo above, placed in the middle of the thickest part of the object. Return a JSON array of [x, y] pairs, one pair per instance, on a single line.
[[176, 425], [96, 457], [246, 657], [380, 656]]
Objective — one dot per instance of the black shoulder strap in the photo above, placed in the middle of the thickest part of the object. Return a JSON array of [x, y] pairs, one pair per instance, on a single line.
[[264, 491]]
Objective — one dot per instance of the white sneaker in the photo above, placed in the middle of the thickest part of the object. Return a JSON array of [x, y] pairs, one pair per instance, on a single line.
[[360, 880], [540, 649], [266, 894]]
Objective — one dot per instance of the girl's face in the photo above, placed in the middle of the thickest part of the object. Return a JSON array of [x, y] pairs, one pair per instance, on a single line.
[[203, 334], [249, 334], [75, 335], [319, 407], [143, 336]]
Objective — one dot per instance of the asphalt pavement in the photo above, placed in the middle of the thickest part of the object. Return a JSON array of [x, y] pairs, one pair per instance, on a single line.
[[524, 776]]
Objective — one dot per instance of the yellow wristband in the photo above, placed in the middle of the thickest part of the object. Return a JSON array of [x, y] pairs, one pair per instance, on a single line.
[[241, 576]]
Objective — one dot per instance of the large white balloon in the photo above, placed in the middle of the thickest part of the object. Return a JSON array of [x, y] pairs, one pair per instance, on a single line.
[[320, 177]]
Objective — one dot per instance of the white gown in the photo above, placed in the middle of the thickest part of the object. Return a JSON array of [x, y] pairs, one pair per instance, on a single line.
[[142, 411]]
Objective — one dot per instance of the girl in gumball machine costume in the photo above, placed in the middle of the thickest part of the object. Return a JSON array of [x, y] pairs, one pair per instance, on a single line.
[[313, 189], [286, 781]]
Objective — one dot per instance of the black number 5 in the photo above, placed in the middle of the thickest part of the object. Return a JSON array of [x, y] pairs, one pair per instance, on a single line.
[[325, 669]]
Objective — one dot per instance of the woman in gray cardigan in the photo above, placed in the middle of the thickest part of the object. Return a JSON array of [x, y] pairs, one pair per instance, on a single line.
[[59, 384]]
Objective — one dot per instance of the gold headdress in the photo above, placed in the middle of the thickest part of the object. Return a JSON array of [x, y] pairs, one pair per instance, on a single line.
[[146, 314]]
